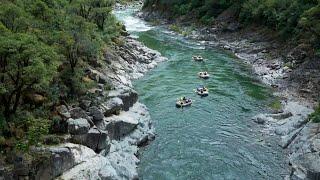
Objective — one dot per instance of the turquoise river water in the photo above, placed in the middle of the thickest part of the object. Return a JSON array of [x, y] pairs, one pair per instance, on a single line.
[[215, 138]]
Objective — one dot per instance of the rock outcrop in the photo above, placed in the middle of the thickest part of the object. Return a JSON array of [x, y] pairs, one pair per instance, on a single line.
[[104, 130], [299, 136], [111, 128]]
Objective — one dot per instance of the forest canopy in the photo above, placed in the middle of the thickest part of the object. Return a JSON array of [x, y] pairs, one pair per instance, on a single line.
[[288, 17], [44, 47]]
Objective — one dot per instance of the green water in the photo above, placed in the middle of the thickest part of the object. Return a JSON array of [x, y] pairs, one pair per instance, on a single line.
[[215, 137]]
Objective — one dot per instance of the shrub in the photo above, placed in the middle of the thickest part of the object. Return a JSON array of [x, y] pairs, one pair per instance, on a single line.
[[315, 116], [37, 129], [275, 104], [175, 28]]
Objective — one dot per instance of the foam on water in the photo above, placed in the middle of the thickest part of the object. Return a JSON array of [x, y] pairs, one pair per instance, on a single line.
[[132, 23]]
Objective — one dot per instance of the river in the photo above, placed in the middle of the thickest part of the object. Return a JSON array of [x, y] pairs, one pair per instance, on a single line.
[[215, 138]]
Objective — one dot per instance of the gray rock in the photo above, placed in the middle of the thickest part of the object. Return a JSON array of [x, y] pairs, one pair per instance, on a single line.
[[96, 113], [308, 164], [282, 115], [261, 119], [77, 113], [21, 166], [127, 95], [113, 106], [128, 99], [120, 127], [89, 165], [63, 111], [61, 160], [85, 104], [97, 76], [287, 140], [292, 124], [78, 126], [51, 162], [95, 139]]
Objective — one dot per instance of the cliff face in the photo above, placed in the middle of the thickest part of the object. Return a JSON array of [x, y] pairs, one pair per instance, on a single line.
[[105, 131]]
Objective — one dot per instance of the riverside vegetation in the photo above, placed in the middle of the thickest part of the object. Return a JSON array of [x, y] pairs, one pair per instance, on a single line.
[[45, 46], [68, 109]]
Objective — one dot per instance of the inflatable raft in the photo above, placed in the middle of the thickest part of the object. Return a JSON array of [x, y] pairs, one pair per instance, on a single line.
[[197, 58], [202, 91], [183, 103], [203, 75]]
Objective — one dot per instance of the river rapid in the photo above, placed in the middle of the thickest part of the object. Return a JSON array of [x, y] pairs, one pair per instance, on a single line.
[[215, 138]]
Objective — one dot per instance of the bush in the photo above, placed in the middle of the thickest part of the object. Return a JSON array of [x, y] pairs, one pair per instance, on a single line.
[[275, 104], [315, 116], [37, 129], [175, 28]]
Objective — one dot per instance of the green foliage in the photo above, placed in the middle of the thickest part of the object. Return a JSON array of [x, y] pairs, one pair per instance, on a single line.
[[315, 116], [38, 36], [37, 129], [206, 19], [45, 45], [175, 28], [275, 104], [288, 17]]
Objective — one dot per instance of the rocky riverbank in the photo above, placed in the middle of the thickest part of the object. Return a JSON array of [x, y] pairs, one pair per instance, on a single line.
[[127, 122], [288, 69], [102, 131]]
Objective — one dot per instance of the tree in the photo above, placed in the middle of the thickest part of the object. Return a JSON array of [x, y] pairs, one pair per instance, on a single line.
[[13, 17], [96, 11], [25, 63]]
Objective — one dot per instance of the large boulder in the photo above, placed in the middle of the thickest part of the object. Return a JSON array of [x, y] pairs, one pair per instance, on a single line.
[[46, 163], [60, 160], [128, 97], [95, 139], [282, 115], [97, 76], [112, 106], [77, 113], [89, 165], [85, 104], [307, 165], [261, 119], [120, 126], [96, 113], [78, 126]]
